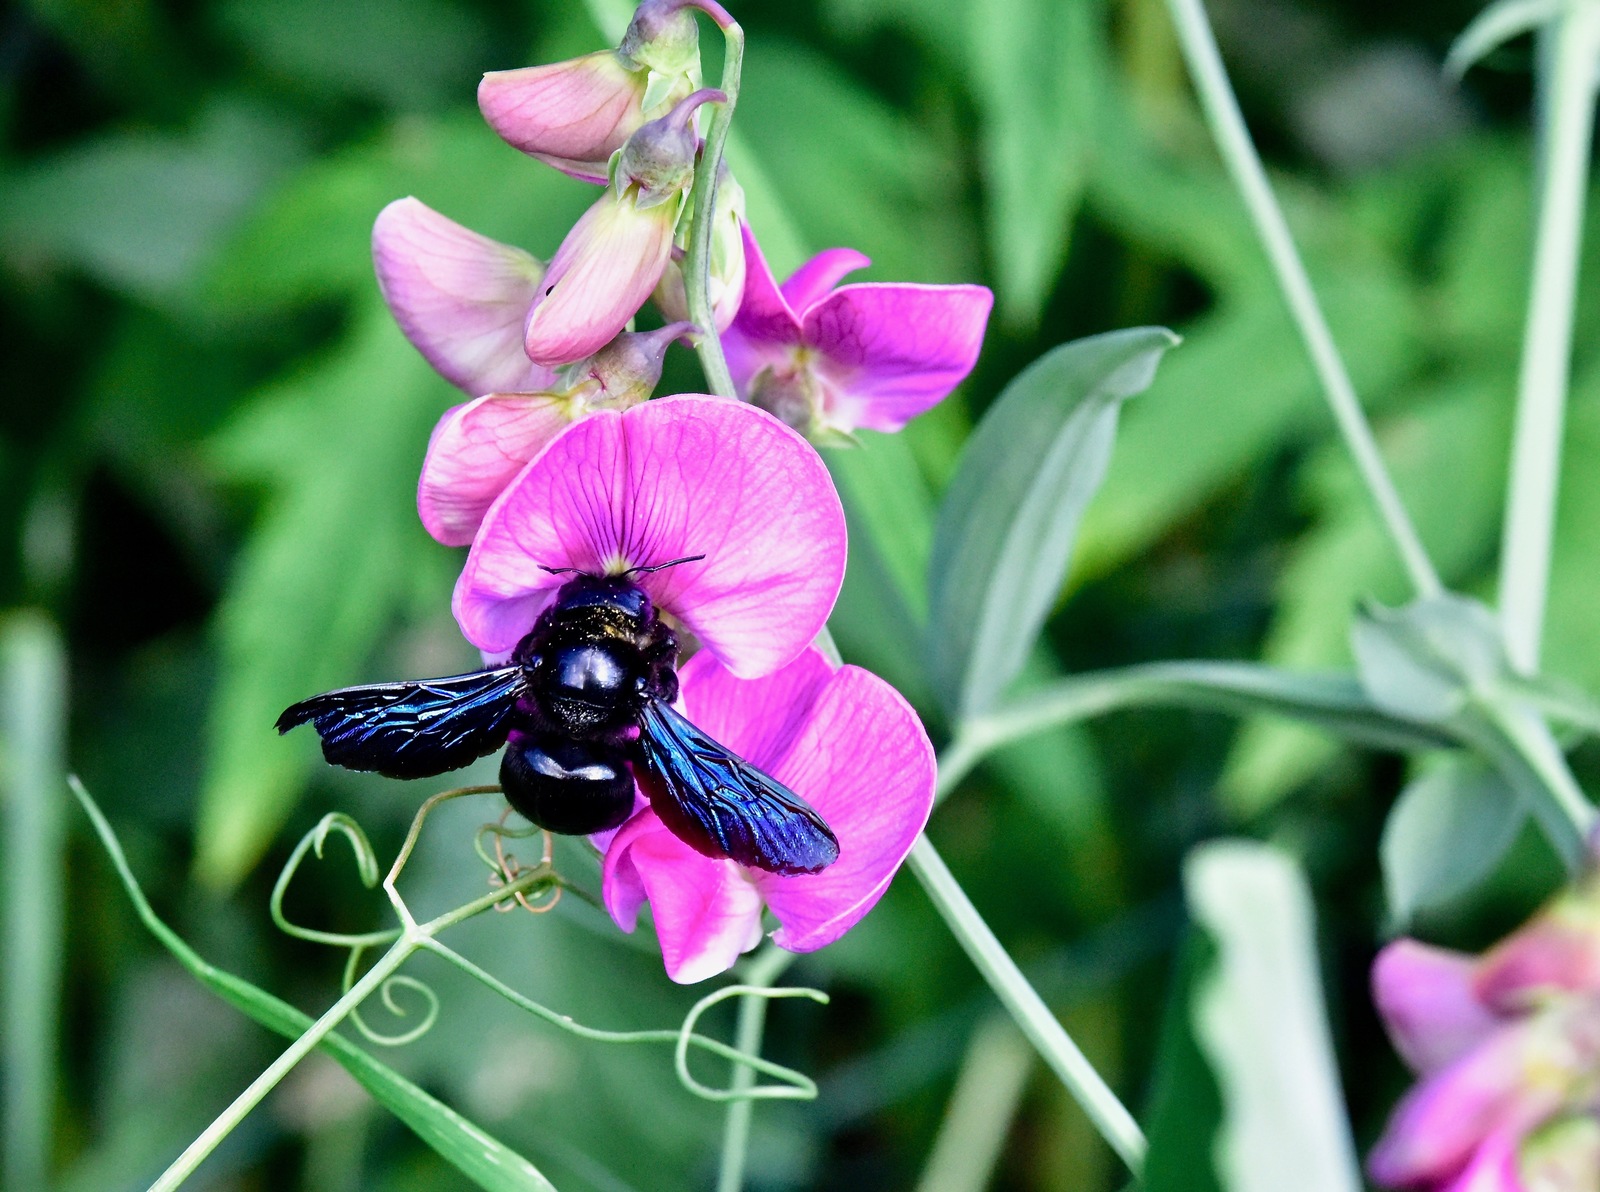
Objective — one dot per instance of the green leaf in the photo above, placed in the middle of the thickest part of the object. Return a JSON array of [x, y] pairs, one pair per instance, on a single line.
[[1259, 1019], [1446, 832], [473, 1151], [1006, 526], [1424, 661], [1036, 68], [335, 554], [33, 728]]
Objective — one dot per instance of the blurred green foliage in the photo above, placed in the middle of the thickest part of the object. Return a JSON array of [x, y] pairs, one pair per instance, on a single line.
[[211, 431]]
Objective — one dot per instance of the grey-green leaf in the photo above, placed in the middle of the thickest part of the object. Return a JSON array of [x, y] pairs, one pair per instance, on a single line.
[[473, 1151], [1424, 660], [1005, 529], [1445, 834], [1259, 1020]]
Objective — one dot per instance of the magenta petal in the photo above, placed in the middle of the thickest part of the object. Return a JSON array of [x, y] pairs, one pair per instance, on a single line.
[[850, 746], [1440, 1123], [476, 450], [1556, 951], [1426, 998], [673, 477], [764, 314], [599, 278], [811, 283], [572, 115], [706, 913], [893, 351], [1492, 1168], [459, 297]]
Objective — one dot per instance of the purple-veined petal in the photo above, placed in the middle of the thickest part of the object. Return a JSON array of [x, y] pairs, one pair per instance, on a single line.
[[572, 115], [1558, 950], [764, 315], [893, 351], [678, 476], [460, 298], [707, 914], [476, 450], [1491, 1090], [814, 280], [599, 278], [1426, 997]]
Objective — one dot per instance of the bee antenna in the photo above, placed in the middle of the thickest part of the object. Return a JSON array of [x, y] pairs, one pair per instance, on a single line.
[[662, 566], [563, 570]]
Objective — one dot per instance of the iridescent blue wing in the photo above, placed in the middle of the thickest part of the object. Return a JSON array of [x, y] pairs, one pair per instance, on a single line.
[[414, 729], [722, 806]]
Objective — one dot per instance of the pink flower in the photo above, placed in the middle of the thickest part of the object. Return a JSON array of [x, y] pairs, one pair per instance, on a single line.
[[674, 477], [460, 298], [841, 738], [1507, 1046], [828, 361], [574, 115], [614, 255], [478, 447]]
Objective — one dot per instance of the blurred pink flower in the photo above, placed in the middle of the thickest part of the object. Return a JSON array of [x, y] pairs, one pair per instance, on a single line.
[[1507, 1048], [478, 447], [841, 738], [873, 356], [460, 298], [574, 115], [678, 476]]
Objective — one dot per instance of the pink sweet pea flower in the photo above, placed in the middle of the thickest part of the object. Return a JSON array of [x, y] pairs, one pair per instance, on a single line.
[[614, 255], [574, 115], [828, 361], [1507, 1046], [479, 447], [678, 476], [846, 742], [460, 298]]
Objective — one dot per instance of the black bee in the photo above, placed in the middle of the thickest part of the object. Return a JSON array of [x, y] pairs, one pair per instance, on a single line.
[[584, 709]]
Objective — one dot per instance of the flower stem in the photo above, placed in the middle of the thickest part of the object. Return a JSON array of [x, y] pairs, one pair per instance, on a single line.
[[183, 1166], [1022, 1001], [1547, 338], [702, 231], [1239, 154], [765, 969]]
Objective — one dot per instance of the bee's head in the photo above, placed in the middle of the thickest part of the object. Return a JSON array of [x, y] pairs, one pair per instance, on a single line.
[[614, 594]]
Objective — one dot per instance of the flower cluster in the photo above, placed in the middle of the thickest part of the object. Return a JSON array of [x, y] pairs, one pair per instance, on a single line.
[[560, 462], [1507, 1048]]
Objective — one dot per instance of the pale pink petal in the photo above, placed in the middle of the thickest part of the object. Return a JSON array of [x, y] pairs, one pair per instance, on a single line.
[[1563, 1154], [673, 477], [814, 280], [765, 320], [1556, 951], [707, 914], [1426, 998], [1440, 1123], [599, 278], [893, 351], [572, 115], [460, 298], [476, 450], [1492, 1168]]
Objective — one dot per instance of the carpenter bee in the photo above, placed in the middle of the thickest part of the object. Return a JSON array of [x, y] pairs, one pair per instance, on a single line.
[[584, 709]]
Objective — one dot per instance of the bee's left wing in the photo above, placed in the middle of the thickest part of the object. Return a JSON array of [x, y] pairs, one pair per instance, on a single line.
[[413, 729], [720, 805]]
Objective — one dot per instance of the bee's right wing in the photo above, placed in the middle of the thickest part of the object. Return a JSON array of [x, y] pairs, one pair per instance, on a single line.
[[414, 729]]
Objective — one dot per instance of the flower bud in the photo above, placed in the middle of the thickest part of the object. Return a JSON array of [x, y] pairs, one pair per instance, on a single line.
[[575, 115], [659, 159], [625, 371], [727, 261]]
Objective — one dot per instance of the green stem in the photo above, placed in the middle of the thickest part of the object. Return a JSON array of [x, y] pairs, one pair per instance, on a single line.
[[1527, 753], [1022, 1001], [764, 971], [697, 260], [228, 1120], [1239, 154], [1547, 338]]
